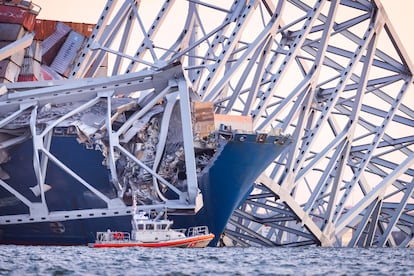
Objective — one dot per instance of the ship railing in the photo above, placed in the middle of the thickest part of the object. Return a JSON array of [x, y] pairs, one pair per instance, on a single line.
[[181, 230], [198, 231], [113, 236]]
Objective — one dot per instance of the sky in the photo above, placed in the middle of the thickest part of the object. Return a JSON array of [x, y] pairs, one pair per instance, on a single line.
[[88, 11]]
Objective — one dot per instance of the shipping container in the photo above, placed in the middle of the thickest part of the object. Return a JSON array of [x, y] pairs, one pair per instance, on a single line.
[[48, 73], [45, 28], [11, 31], [34, 51], [9, 71], [67, 53], [19, 12], [241, 123], [203, 118], [51, 45], [22, 78], [30, 66]]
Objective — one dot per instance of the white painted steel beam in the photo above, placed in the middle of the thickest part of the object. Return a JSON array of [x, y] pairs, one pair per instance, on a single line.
[[16, 46]]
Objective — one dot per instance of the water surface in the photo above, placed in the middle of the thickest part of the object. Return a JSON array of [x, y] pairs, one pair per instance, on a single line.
[[41, 260]]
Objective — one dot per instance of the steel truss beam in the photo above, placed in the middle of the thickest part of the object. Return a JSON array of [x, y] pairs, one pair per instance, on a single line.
[[83, 96]]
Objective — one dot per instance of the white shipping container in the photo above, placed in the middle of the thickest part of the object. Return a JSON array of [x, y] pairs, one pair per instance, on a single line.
[[30, 66], [9, 71], [60, 32], [34, 51], [67, 52]]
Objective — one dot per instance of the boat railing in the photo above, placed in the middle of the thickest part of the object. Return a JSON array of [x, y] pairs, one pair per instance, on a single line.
[[197, 231], [181, 230], [113, 236]]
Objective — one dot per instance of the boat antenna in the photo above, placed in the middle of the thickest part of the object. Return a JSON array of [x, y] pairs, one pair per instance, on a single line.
[[134, 203]]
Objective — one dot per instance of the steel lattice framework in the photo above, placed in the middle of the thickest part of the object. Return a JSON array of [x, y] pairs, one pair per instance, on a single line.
[[333, 74]]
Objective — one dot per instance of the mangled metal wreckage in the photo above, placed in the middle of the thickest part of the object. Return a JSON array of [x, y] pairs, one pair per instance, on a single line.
[[78, 151], [145, 138]]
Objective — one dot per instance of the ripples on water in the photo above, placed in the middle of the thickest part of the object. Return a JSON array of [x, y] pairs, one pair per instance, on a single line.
[[39, 260]]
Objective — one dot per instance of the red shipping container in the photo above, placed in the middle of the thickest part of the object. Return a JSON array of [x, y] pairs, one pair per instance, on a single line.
[[48, 73], [27, 78], [44, 29], [18, 15]]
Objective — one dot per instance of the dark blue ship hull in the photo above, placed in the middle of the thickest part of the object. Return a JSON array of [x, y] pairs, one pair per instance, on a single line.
[[224, 183]]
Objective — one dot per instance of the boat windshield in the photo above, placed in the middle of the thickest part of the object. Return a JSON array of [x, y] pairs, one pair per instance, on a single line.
[[151, 225]]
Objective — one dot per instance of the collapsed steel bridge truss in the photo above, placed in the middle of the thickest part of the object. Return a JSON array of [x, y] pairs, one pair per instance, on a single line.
[[94, 110], [333, 74]]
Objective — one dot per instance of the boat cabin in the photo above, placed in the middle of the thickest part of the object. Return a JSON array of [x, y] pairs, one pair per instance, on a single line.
[[151, 230], [142, 224]]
